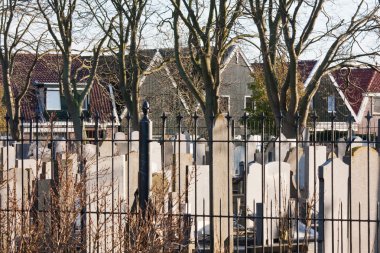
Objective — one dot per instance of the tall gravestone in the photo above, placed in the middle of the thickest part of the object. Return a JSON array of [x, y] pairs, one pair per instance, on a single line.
[[333, 201], [219, 178], [366, 192], [199, 200], [314, 157]]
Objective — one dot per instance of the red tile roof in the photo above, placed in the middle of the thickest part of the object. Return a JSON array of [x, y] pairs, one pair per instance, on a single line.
[[47, 71], [356, 81]]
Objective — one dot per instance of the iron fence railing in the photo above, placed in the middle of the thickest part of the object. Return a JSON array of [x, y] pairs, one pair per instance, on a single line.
[[238, 187]]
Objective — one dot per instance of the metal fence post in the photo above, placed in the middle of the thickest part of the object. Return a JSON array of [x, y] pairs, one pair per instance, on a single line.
[[145, 135]]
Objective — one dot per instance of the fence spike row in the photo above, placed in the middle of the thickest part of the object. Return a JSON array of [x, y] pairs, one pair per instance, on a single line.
[[270, 192]]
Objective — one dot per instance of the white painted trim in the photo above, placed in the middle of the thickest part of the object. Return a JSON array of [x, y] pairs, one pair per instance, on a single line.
[[245, 101], [123, 114], [371, 94], [113, 104], [157, 57], [338, 126], [236, 50], [344, 98], [229, 101], [175, 86], [363, 107], [312, 72]]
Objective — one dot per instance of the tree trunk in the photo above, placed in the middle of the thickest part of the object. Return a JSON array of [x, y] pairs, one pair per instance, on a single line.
[[78, 125], [15, 123]]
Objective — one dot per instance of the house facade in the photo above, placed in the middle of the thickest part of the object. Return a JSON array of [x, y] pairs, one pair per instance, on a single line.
[[348, 92], [44, 107]]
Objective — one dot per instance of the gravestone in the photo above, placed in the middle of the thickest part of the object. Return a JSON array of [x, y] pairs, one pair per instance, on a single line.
[[60, 146], [189, 143], [29, 164], [168, 153], [333, 201], [155, 157], [239, 157], [357, 142], [296, 157], [314, 157], [275, 148], [180, 171], [254, 142], [276, 196], [105, 149], [199, 199], [119, 136], [220, 174], [365, 186], [200, 152], [8, 155], [89, 152], [131, 177], [342, 145], [39, 151], [19, 187], [121, 144], [281, 148], [179, 144], [134, 141]]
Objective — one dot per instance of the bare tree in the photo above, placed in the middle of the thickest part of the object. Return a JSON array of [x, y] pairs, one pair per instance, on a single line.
[[284, 33], [19, 49], [209, 28], [128, 63], [60, 17]]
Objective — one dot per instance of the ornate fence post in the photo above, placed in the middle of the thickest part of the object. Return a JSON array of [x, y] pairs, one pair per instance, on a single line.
[[145, 136]]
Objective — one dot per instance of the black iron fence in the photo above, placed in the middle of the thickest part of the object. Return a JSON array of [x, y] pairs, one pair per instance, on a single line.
[[238, 187]]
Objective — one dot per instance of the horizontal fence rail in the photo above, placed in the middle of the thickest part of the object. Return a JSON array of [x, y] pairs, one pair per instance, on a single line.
[[221, 184]]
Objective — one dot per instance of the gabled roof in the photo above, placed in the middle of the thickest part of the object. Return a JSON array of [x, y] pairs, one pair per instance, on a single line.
[[305, 68], [354, 84], [47, 71]]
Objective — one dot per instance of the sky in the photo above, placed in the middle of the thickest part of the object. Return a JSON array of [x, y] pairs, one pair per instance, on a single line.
[[337, 9], [154, 38]]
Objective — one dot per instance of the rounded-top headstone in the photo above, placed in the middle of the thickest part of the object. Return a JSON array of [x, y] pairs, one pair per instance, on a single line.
[[119, 136]]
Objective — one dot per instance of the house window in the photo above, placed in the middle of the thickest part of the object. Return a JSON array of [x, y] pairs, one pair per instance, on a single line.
[[249, 103], [85, 103], [376, 105], [224, 104], [53, 100], [331, 104]]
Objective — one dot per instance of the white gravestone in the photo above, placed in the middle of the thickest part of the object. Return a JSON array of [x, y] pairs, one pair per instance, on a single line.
[[365, 185], [333, 201], [276, 195]]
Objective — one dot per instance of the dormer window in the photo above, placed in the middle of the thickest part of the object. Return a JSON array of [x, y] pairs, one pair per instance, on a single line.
[[53, 99]]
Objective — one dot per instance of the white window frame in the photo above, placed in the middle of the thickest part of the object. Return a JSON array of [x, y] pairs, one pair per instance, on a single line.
[[55, 87], [331, 102], [245, 103], [55, 107], [86, 103], [373, 105], [229, 102]]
